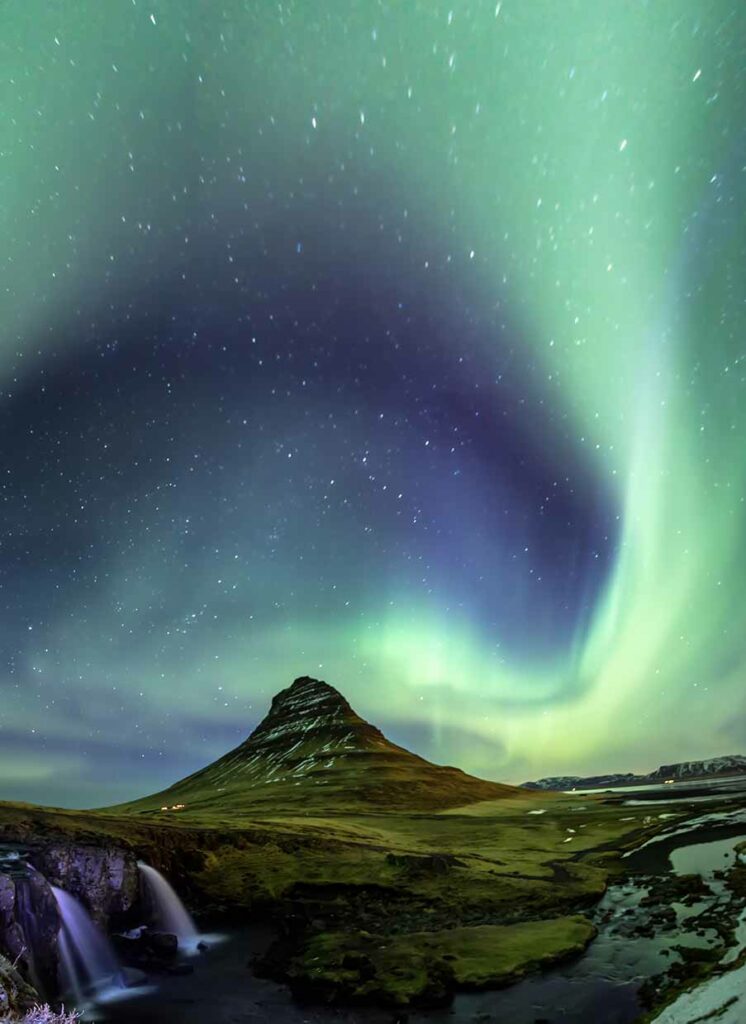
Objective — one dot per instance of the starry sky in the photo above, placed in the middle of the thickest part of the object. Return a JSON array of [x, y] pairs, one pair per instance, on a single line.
[[396, 343]]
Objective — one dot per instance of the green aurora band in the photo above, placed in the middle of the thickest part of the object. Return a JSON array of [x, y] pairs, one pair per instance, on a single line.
[[581, 162]]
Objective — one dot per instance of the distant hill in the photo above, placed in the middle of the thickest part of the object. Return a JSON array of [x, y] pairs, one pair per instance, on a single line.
[[685, 771], [312, 751]]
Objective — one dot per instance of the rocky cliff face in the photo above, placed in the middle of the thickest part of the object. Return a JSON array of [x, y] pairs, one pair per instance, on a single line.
[[714, 767], [563, 783], [105, 879], [12, 940], [29, 923]]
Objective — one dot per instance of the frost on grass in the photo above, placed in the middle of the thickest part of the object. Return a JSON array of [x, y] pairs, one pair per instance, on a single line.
[[720, 999], [45, 1015]]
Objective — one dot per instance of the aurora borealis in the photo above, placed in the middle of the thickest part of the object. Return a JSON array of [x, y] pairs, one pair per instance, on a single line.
[[400, 344]]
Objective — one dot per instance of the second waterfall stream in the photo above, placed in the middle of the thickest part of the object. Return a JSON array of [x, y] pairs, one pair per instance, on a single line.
[[169, 913]]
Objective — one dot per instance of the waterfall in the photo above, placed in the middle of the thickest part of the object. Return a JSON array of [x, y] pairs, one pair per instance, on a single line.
[[29, 922], [88, 959], [169, 913]]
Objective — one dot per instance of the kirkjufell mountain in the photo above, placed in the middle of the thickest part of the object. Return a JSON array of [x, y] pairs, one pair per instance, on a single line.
[[313, 750]]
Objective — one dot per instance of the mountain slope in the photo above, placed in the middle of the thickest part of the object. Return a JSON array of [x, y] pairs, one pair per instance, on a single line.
[[714, 767], [313, 751]]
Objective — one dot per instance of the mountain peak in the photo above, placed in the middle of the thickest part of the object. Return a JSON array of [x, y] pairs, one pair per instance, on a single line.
[[306, 694], [311, 710], [312, 749], [309, 682]]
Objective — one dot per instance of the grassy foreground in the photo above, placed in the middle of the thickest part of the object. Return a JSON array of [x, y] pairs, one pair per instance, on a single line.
[[398, 908]]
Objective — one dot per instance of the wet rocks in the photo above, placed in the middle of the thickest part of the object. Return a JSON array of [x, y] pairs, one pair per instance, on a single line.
[[664, 919], [667, 889], [659, 919], [104, 879], [29, 923], [162, 944], [11, 933], [715, 907], [148, 948], [694, 964], [736, 881]]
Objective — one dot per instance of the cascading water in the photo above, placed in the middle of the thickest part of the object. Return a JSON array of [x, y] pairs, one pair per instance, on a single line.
[[169, 913], [88, 959], [30, 926]]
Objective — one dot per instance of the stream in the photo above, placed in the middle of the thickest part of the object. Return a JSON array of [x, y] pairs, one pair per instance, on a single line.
[[600, 986]]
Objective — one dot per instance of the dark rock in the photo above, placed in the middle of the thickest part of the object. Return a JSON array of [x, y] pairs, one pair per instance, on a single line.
[[104, 878], [11, 935], [128, 946], [161, 943], [150, 949], [29, 923], [684, 889]]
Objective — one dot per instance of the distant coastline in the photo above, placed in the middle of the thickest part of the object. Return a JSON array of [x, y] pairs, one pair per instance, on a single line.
[[732, 765]]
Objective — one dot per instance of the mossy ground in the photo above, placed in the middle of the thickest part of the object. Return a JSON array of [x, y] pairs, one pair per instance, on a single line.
[[425, 967], [430, 882]]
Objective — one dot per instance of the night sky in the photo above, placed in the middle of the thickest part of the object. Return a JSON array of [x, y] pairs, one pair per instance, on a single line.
[[397, 343]]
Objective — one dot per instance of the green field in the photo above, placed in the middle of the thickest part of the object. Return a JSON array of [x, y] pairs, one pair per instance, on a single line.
[[465, 897]]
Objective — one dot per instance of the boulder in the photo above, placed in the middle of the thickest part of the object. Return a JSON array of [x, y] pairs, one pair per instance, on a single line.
[[149, 949], [163, 944]]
